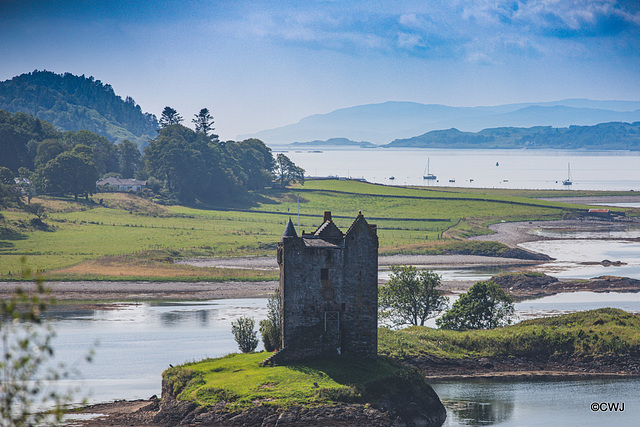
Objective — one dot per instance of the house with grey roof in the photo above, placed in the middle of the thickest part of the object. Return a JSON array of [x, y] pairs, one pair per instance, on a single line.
[[119, 184]]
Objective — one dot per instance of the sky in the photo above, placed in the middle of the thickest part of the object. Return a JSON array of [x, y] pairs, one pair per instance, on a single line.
[[263, 64]]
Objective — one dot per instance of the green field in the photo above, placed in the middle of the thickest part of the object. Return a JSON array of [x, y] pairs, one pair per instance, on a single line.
[[117, 238]]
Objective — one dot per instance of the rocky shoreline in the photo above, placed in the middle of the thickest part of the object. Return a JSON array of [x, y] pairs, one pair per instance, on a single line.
[[413, 404], [523, 286], [152, 413]]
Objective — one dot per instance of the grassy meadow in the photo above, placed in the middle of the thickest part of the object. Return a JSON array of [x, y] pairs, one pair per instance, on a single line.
[[605, 331], [125, 237]]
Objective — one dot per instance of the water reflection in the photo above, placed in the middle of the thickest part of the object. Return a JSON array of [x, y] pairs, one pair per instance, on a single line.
[[199, 317], [68, 313], [139, 341], [537, 402], [478, 413], [172, 318], [479, 405]]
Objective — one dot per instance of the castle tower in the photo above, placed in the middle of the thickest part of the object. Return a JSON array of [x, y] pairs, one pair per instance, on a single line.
[[329, 290]]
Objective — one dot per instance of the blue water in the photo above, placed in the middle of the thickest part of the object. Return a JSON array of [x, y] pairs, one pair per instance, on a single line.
[[531, 169], [135, 343]]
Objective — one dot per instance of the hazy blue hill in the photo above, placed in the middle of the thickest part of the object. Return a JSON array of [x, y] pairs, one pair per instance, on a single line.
[[334, 142], [604, 136], [381, 123], [72, 102]]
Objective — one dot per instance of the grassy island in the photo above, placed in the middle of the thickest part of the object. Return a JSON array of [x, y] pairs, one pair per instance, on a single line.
[[603, 341], [606, 331], [240, 381], [237, 383]]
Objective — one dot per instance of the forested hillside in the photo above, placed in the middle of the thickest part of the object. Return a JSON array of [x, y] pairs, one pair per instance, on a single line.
[[179, 164], [604, 136], [77, 102]]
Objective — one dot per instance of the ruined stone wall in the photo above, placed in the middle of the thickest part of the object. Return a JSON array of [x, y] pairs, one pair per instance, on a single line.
[[360, 334], [307, 296]]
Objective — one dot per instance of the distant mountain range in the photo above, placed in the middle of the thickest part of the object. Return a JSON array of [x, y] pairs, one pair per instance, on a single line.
[[72, 102], [389, 121], [604, 136]]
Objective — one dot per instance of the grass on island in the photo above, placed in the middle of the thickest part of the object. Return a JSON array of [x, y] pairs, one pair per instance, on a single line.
[[116, 235], [606, 331], [239, 380]]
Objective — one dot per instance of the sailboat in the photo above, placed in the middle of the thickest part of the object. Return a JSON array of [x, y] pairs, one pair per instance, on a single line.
[[568, 180], [426, 174]]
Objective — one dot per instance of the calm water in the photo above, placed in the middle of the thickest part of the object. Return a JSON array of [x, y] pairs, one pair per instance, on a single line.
[[137, 342], [531, 169], [539, 403], [575, 248]]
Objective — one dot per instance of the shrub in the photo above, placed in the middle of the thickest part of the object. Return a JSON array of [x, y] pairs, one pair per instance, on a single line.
[[245, 336], [270, 327]]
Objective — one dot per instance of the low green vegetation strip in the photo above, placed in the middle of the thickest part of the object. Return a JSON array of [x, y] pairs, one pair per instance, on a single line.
[[240, 381], [593, 333]]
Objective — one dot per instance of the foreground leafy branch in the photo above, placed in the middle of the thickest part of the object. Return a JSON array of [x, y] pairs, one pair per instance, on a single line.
[[27, 387]]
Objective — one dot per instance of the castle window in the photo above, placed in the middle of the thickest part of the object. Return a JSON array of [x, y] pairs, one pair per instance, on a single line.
[[344, 306], [324, 274]]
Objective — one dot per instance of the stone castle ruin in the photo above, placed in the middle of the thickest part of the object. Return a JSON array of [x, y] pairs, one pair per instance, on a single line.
[[329, 291]]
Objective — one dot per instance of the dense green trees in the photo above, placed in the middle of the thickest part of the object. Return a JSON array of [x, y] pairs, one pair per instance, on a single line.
[[129, 159], [193, 167], [72, 172], [77, 102], [254, 162], [8, 191], [104, 152], [18, 135], [180, 163], [6, 176], [485, 306], [410, 297]]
